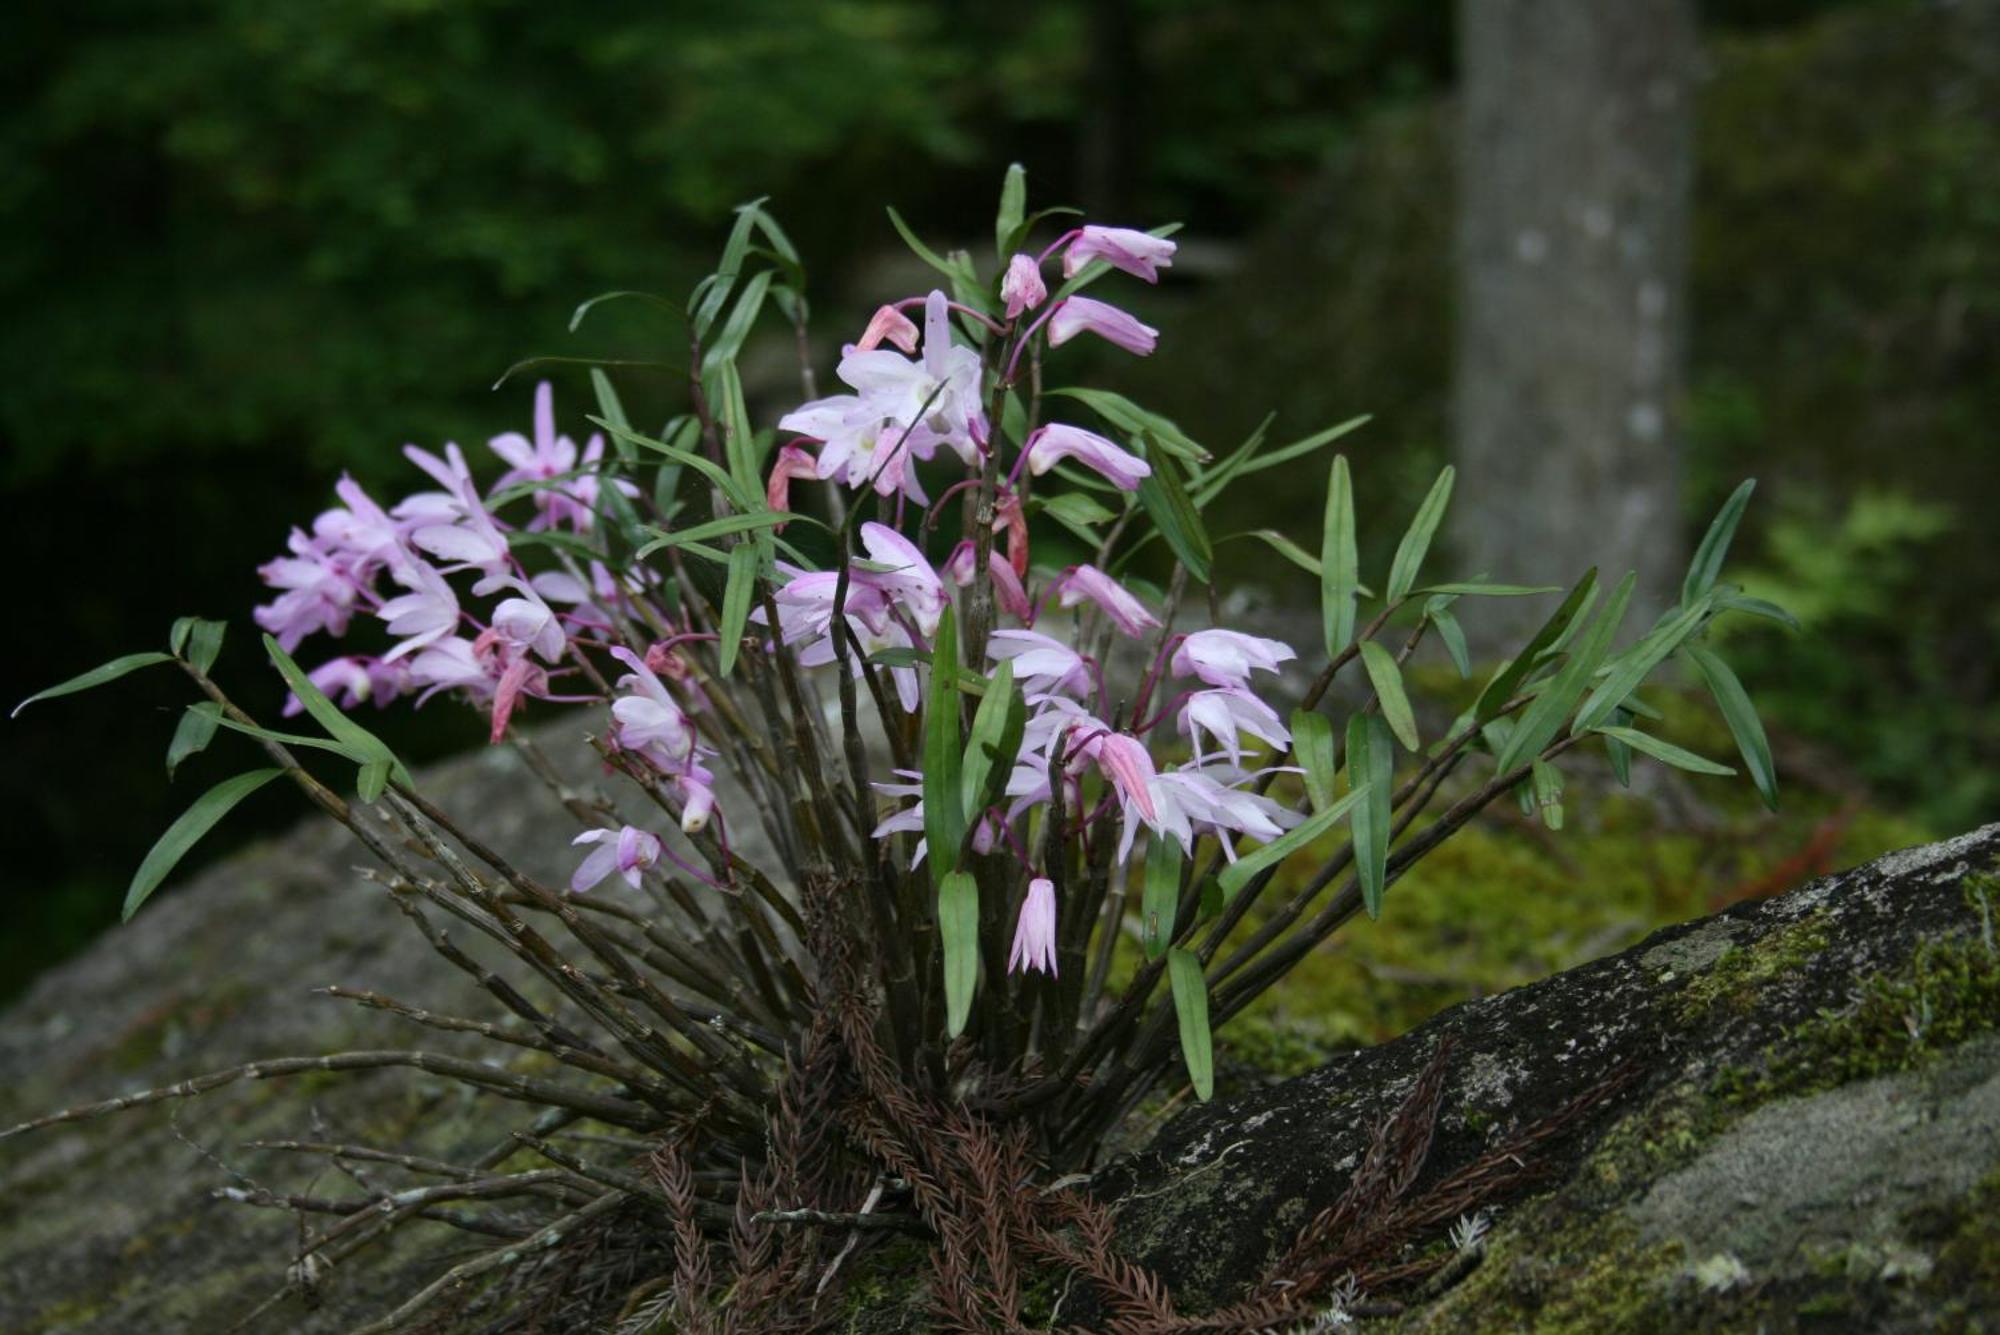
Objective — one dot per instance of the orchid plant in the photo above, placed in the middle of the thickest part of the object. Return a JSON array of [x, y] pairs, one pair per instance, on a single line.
[[955, 773]]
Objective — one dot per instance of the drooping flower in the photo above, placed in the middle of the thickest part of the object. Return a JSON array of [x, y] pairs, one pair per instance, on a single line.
[[1126, 612], [1023, 289], [1041, 662], [1056, 441], [1227, 657], [891, 325], [628, 851], [1127, 765], [792, 462], [1197, 799], [426, 614], [1035, 932], [1138, 253], [649, 721], [1082, 315], [1224, 714]]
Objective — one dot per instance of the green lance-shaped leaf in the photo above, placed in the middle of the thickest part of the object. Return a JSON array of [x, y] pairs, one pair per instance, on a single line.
[[1162, 895], [1619, 754], [1647, 744], [1437, 610], [736, 596], [1637, 663], [737, 327], [1191, 1009], [97, 676], [1339, 560], [1371, 771], [944, 803], [958, 934], [1282, 545], [198, 640], [186, 832], [377, 761], [997, 729], [1546, 784], [717, 528], [1417, 541], [1387, 679], [1173, 514], [1741, 716], [1543, 718], [1479, 588], [193, 734], [1312, 743], [1135, 421], [613, 408], [1714, 549], [686, 457], [1013, 209], [1508, 678], [1246, 460], [1242, 871]]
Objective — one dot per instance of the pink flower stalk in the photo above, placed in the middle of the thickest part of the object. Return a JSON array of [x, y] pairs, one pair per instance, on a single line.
[[888, 324], [1135, 252], [519, 677], [628, 851], [1126, 612], [1022, 289], [1081, 315], [1226, 713], [1035, 932], [1227, 657], [792, 462], [1055, 442], [1010, 515]]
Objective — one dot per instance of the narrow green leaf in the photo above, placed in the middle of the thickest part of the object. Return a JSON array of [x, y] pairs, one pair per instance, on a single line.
[[1179, 523], [1481, 589], [1162, 895], [701, 464], [944, 806], [1509, 676], [373, 779], [1339, 560], [97, 676], [584, 308], [1242, 871], [1371, 769], [1240, 464], [1757, 607], [1637, 663], [729, 342], [716, 528], [1714, 550], [1741, 716], [364, 744], [204, 643], [1416, 542], [1283, 546], [918, 248], [1387, 679], [736, 595], [1191, 1009], [193, 734], [1543, 718], [997, 728], [187, 831], [958, 934], [1620, 754], [899, 657], [341, 749], [1013, 209], [1450, 633], [1076, 508], [1647, 744], [1546, 785], [1135, 421], [1312, 743]]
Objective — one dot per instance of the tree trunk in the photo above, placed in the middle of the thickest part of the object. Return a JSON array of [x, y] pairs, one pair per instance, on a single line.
[[1576, 156]]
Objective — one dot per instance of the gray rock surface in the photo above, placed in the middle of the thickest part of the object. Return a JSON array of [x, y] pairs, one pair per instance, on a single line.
[[1709, 1192]]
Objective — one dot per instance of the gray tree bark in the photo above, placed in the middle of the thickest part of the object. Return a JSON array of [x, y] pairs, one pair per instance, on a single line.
[[1576, 159]]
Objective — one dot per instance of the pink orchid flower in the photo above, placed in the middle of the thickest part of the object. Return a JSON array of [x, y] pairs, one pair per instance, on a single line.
[[628, 851], [1056, 442], [1137, 253], [1035, 933], [1081, 315]]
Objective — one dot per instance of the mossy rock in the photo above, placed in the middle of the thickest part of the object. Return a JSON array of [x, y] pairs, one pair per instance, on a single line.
[[1780, 1160]]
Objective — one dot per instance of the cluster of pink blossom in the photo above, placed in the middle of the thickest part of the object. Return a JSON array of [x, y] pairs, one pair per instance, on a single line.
[[524, 646], [905, 406]]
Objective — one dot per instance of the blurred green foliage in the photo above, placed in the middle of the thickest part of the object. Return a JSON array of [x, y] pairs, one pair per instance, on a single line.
[[247, 245]]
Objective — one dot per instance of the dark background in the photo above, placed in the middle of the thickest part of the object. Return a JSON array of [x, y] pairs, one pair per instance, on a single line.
[[249, 245]]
